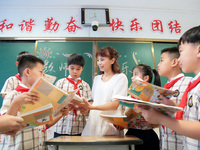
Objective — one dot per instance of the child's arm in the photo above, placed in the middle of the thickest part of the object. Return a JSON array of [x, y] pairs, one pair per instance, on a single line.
[[24, 98], [64, 112], [10, 124], [87, 105], [187, 128]]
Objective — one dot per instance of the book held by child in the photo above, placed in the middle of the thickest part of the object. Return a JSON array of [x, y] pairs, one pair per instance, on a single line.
[[143, 94], [51, 101], [148, 92], [134, 116], [37, 117]]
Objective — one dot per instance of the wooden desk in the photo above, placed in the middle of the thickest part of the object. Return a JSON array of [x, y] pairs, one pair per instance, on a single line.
[[94, 142]]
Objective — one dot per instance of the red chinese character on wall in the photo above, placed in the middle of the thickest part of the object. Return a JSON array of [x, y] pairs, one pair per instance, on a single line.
[[50, 25], [27, 24], [157, 26], [116, 25], [135, 25], [174, 26], [72, 27], [4, 25]]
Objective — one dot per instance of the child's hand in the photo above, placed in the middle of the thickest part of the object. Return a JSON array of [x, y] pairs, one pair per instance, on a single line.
[[83, 110], [85, 104], [65, 111], [71, 106], [10, 124], [152, 116], [165, 101], [26, 98], [118, 127]]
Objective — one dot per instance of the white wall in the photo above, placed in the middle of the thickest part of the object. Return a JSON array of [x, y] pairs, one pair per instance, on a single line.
[[185, 12]]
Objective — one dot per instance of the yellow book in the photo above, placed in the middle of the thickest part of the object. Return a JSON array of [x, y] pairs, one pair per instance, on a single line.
[[38, 117], [134, 116], [116, 120], [48, 93], [148, 92]]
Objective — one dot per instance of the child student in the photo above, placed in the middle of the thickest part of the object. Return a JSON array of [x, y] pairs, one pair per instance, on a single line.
[[170, 68], [30, 68], [74, 123], [149, 137], [187, 121], [111, 82], [12, 82]]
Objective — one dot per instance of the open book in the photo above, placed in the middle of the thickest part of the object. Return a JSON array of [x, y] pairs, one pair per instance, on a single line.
[[49, 93], [130, 102], [134, 116], [116, 120], [148, 92], [37, 117], [49, 78]]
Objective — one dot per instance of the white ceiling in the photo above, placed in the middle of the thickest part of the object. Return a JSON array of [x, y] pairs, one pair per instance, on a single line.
[[166, 5]]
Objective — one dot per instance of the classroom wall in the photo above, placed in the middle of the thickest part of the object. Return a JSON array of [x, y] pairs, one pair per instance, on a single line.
[[185, 13]]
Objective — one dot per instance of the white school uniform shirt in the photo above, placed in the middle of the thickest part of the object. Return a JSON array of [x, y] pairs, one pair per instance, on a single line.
[[102, 92], [27, 139], [192, 113], [169, 140], [67, 124], [10, 84]]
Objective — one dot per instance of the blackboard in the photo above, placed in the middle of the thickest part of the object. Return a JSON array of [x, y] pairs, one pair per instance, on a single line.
[[130, 54], [157, 50], [55, 55], [8, 55]]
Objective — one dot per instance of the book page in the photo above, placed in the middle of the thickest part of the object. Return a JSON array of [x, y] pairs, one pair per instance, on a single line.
[[48, 93], [130, 102], [116, 120], [37, 117], [147, 91]]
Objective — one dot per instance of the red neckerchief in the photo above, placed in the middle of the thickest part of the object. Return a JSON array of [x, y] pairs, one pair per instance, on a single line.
[[18, 77], [168, 86], [133, 97], [179, 115], [21, 89], [78, 93]]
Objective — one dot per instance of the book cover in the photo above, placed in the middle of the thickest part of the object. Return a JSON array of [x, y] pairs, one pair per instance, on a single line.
[[117, 120], [48, 93], [148, 92], [37, 117]]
